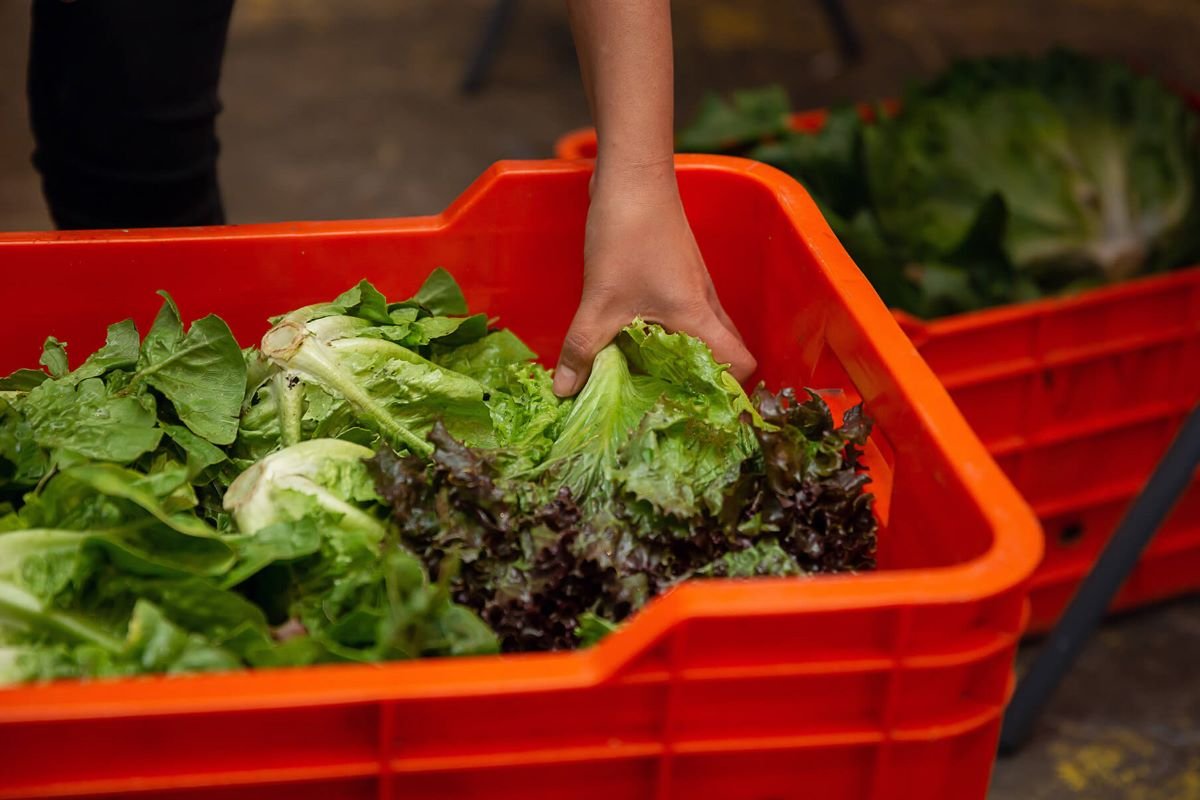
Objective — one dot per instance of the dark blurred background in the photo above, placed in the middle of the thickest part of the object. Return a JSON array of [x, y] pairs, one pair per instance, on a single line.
[[352, 109]]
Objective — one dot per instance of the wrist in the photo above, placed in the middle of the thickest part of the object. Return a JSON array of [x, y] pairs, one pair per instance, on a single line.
[[653, 175]]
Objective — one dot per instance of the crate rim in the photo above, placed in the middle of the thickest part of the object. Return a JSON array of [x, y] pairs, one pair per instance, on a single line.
[[1014, 553]]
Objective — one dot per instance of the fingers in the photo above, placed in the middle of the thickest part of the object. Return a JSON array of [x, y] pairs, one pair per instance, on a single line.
[[588, 334], [719, 310], [590, 331], [726, 345], [742, 368]]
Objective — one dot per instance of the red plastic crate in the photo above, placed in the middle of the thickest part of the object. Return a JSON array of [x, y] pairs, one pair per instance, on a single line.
[[864, 686], [1076, 398]]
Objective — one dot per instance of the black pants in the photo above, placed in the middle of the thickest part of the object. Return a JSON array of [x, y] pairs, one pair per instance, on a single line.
[[123, 103]]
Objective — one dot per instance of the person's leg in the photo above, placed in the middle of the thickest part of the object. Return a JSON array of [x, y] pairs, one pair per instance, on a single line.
[[123, 105]]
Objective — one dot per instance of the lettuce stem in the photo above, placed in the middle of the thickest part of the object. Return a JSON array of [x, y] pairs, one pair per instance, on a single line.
[[293, 347], [290, 407]]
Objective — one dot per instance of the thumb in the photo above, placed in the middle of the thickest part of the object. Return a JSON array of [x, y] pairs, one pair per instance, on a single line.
[[587, 335]]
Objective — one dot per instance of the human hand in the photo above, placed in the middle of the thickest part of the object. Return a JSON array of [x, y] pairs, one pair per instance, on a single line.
[[641, 260]]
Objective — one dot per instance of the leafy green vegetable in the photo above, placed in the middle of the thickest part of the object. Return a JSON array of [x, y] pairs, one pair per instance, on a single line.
[[322, 474], [391, 389], [829, 161], [54, 357], [361, 364], [22, 461], [23, 611], [748, 117], [608, 409], [87, 421], [386, 480], [550, 569], [143, 527], [363, 302], [201, 372], [67, 646], [485, 356], [659, 417], [117, 405], [1002, 180], [120, 351], [200, 453], [1095, 167], [592, 629], [22, 380], [440, 295]]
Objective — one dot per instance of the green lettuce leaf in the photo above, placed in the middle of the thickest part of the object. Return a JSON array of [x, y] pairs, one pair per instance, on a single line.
[[658, 418], [24, 616], [363, 302], [486, 357], [120, 351], [440, 295], [749, 116], [609, 408], [1095, 168], [54, 357], [87, 421], [22, 461], [385, 386], [328, 475], [22, 380], [202, 372]]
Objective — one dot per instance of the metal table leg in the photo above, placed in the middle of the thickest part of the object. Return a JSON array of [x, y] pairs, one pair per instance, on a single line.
[[490, 39], [1168, 481]]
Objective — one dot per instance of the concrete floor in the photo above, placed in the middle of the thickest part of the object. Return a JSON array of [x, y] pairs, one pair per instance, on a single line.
[[350, 110], [1125, 725]]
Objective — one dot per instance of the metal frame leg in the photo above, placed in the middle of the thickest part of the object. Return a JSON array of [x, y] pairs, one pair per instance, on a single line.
[[490, 39], [1168, 481], [849, 45]]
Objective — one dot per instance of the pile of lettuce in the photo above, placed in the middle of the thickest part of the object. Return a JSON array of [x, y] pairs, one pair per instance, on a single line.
[[387, 480], [1002, 180]]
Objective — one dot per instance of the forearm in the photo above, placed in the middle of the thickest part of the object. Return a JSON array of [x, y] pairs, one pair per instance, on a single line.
[[640, 258], [625, 57]]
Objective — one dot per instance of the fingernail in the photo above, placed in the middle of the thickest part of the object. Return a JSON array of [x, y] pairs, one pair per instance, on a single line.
[[564, 381]]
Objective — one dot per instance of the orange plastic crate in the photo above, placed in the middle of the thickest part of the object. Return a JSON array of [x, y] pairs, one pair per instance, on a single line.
[[1076, 398], [867, 686]]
